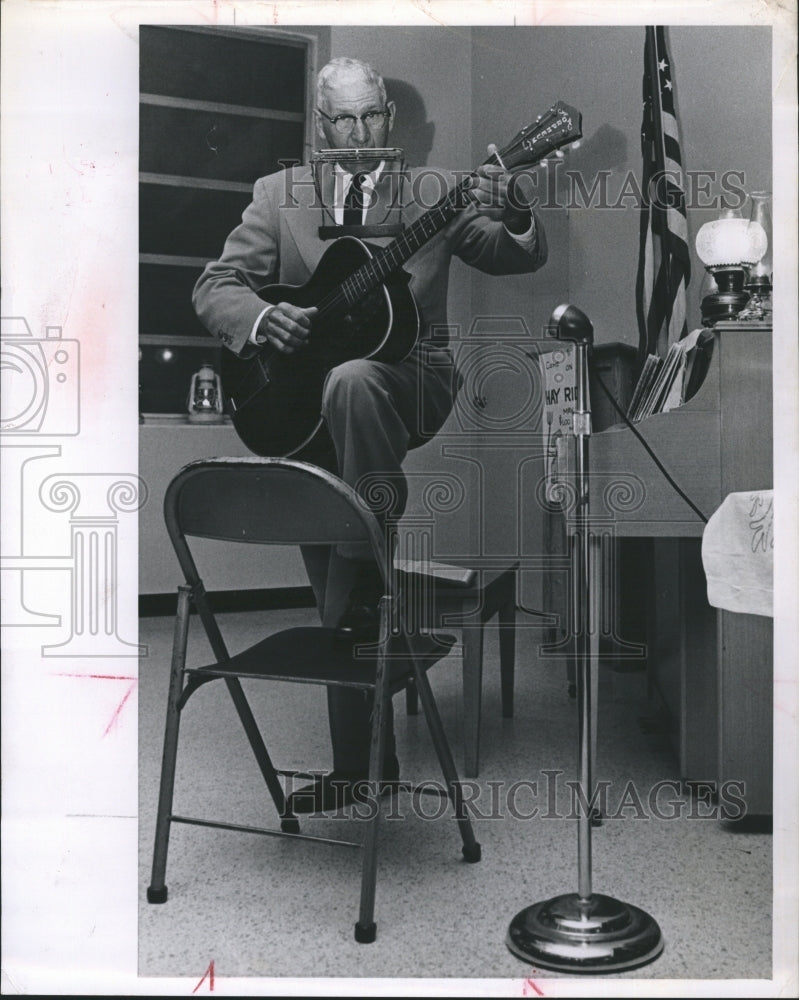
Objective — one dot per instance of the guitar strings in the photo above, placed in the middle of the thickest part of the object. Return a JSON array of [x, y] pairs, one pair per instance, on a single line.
[[372, 273]]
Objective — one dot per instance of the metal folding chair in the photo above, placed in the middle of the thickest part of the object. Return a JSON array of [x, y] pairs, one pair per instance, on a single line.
[[279, 502]]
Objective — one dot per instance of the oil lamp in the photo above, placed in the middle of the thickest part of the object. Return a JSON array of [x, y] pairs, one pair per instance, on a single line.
[[727, 247], [205, 396]]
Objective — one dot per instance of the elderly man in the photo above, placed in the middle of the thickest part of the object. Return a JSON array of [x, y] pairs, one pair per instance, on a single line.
[[371, 409]]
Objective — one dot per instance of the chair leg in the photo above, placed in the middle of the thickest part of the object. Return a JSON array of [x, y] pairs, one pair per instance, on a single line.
[[366, 928], [157, 891], [411, 697], [472, 697], [288, 822], [597, 554], [507, 653], [571, 677], [470, 849]]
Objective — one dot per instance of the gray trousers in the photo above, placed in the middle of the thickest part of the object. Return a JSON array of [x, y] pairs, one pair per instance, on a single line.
[[375, 413]]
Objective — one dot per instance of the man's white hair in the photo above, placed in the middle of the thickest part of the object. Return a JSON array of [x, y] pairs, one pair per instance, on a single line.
[[344, 65]]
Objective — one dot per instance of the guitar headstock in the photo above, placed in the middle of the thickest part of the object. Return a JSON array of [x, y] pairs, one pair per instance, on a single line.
[[557, 127]]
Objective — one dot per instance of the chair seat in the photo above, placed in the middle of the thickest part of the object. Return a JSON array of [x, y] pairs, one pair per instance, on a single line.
[[310, 654]]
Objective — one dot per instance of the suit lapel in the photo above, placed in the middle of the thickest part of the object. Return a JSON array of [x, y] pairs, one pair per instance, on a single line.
[[305, 213]]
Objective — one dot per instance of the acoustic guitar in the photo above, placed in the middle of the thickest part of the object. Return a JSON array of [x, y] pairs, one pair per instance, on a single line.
[[365, 310]]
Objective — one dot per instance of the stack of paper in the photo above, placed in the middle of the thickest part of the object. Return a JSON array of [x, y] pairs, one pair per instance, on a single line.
[[663, 381]]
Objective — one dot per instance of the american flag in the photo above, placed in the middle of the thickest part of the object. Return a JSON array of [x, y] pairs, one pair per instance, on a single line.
[[664, 264]]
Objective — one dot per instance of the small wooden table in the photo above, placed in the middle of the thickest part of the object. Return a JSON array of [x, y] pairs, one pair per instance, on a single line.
[[466, 596]]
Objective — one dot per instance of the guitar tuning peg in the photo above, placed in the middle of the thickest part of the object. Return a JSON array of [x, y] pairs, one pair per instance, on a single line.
[[493, 151]]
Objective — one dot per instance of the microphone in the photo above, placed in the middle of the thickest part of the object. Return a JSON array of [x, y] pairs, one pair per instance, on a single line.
[[571, 323]]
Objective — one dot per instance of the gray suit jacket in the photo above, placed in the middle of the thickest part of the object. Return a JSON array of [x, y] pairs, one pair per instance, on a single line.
[[277, 241]]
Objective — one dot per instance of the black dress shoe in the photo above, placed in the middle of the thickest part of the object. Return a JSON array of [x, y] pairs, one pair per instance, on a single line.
[[339, 789], [361, 620]]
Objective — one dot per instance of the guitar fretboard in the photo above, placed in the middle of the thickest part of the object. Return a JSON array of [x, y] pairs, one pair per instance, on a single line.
[[374, 272]]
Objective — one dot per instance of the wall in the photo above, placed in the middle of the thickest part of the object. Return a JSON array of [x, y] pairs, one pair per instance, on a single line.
[[724, 93], [722, 79]]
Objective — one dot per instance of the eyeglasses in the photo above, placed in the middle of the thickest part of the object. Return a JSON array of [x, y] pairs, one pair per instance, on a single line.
[[344, 124]]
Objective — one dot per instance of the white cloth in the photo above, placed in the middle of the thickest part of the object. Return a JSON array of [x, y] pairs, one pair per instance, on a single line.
[[738, 554]]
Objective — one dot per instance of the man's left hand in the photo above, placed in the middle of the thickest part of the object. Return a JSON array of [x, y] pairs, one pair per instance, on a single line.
[[499, 192]]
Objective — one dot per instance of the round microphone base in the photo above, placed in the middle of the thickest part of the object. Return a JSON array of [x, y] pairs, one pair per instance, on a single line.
[[594, 935]]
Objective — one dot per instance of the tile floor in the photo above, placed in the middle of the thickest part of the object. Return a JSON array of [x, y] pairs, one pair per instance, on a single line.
[[270, 907]]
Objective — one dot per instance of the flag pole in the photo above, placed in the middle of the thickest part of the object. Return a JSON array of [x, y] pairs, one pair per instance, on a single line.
[[583, 932], [660, 142]]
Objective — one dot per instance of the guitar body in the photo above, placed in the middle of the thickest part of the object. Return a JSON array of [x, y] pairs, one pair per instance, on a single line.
[[276, 398]]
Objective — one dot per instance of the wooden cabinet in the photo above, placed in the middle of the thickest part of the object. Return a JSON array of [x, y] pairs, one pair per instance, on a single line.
[[712, 669]]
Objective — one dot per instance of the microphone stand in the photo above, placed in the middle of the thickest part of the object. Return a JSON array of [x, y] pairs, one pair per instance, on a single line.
[[583, 932]]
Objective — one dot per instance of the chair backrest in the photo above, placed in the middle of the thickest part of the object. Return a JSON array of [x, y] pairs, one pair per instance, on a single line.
[[266, 501]]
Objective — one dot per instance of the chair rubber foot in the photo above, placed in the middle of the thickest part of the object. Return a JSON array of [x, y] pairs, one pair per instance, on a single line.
[[156, 895], [472, 854], [290, 825], [365, 935]]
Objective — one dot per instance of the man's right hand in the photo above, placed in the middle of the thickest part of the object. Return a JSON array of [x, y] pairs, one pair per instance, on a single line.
[[286, 327]]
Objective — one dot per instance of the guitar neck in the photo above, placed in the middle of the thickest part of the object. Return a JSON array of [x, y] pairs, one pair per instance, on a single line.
[[372, 274], [557, 127]]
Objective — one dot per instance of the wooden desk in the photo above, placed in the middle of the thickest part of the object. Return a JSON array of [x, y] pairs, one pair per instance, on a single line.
[[712, 669]]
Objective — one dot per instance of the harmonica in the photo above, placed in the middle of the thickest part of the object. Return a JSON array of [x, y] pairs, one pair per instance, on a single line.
[[350, 155]]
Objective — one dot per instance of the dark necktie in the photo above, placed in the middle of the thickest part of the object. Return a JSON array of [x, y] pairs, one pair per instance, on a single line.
[[353, 203]]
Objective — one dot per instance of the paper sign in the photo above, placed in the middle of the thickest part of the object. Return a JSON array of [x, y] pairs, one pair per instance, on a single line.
[[738, 554], [559, 377]]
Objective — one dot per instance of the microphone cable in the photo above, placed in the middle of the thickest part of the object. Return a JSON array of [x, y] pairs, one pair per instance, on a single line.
[[640, 437]]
